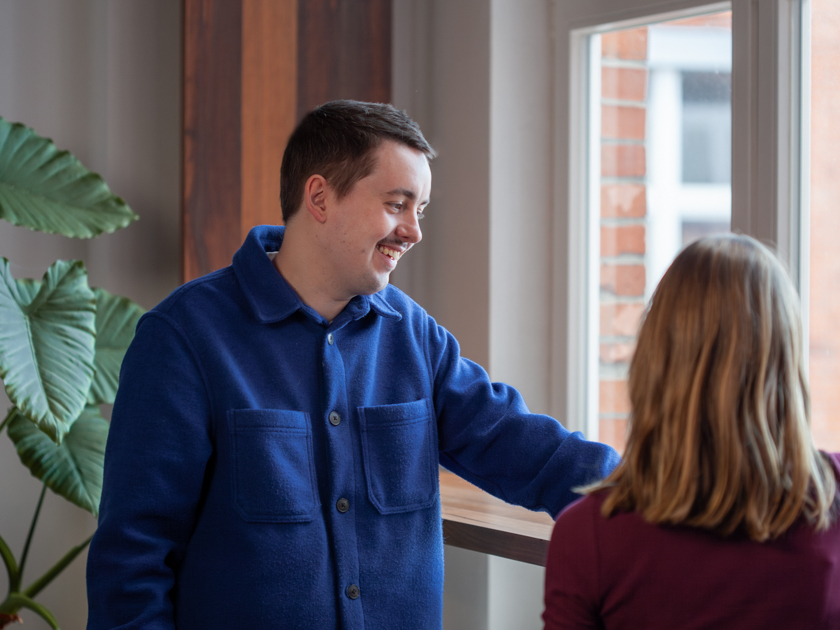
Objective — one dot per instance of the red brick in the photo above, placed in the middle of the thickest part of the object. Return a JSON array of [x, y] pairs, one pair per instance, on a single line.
[[626, 44], [623, 200], [625, 280], [718, 20], [622, 123], [621, 320], [612, 397], [825, 222], [613, 431], [622, 160], [616, 352], [626, 84], [622, 239], [825, 424]]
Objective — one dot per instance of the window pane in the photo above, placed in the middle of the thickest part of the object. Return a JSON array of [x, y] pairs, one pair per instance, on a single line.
[[824, 332], [665, 142], [706, 127]]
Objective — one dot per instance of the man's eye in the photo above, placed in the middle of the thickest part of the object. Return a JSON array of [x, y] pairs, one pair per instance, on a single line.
[[420, 215], [397, 205]]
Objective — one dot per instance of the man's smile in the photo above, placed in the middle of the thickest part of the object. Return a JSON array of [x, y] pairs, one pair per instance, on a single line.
[[393, 254]]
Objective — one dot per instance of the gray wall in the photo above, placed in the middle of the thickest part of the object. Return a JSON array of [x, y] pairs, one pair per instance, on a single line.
[[478, 77], [102, 79]]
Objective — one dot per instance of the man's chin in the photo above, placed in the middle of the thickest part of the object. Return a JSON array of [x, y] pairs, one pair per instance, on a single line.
[[382, 285], [375, 285]]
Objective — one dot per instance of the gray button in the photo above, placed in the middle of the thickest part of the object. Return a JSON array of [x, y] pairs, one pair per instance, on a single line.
[[342, 505], [353, 591], [330, 339], [335, 419]]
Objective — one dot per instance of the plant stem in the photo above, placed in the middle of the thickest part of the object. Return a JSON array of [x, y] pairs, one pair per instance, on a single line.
[[7, 418], [36, 587], [11, 566], [29, 535], [16, 601]]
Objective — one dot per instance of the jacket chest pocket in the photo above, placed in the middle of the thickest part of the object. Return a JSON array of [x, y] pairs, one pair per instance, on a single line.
[[272, 465], [399, 445]]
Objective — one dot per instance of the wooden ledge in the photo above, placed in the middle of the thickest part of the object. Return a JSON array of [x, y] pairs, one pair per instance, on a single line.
[[475, 520]]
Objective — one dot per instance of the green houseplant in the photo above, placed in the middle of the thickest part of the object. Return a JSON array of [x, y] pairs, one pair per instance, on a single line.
[[61, 342]]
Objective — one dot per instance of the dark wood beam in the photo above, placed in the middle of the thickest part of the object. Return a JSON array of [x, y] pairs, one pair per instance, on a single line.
[[212, 140], [344, 51]]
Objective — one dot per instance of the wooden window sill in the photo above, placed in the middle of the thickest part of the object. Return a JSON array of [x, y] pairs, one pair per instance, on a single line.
[[475, 520]]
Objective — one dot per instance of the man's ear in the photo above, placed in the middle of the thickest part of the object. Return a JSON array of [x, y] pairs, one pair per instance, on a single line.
[[315, 197]]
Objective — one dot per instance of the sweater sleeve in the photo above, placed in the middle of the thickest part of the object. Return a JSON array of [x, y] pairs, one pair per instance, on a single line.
[[153, 482], [488, 436], [571, 571]]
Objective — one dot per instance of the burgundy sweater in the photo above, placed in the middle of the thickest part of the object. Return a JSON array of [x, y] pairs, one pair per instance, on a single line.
[[622, 572]]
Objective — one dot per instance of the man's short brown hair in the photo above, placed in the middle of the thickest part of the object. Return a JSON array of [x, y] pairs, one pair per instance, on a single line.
[[338, 140]]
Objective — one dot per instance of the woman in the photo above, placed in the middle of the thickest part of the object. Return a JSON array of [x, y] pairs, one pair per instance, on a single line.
[[722, 513]]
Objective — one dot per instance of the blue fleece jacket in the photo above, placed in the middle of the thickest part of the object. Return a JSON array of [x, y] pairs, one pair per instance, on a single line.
[[268, 469]]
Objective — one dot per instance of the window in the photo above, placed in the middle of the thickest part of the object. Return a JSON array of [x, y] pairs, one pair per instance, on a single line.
[[706, 116], [670, 129], [664, 137]]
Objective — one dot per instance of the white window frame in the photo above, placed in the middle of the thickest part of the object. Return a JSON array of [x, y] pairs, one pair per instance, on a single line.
[[769, 161]]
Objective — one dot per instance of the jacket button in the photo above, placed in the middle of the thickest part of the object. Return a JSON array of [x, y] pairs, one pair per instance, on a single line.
[[353, 591], [330, 339], [335, 419], [342, 505]]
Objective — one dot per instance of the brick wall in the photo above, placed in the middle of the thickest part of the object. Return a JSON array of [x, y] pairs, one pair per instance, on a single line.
[[825, 224], [624, 79]]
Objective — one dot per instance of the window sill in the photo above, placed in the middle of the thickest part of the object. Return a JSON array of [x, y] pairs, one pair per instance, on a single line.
[[475, 520]]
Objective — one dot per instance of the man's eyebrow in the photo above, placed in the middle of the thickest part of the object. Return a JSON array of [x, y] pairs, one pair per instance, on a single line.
[[407, 193], [403, 192]]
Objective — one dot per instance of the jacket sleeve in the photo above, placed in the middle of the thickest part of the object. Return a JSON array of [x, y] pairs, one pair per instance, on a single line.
[[158, 448], [488, 436]]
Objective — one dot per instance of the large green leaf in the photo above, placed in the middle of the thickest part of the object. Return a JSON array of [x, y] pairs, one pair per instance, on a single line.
[[49, 190], [116, 319], [47, 344], [72, 469], [27, 289]]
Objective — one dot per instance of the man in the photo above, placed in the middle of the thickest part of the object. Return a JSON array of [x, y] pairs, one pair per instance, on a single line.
[[274, 447]]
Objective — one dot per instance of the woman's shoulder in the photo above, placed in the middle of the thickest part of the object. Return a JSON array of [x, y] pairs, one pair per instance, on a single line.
[[585, 517], [583, 512], [834, 458]]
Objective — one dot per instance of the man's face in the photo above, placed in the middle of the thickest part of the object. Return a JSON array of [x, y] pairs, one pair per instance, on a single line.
[[376, 223]]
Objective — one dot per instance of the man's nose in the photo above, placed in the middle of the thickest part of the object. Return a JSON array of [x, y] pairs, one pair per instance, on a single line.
[[409, 228]]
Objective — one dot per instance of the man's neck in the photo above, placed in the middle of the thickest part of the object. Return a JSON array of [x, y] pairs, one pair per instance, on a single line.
[[300, 267]]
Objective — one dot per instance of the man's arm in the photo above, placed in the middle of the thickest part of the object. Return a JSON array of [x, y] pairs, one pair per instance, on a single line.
[[158, 447], [489, 437]]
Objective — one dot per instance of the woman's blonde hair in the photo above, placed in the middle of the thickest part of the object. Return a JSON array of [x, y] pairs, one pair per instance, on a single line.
[[719, 435]]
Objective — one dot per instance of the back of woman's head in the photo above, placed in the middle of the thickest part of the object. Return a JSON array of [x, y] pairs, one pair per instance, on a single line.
[[719, 434]]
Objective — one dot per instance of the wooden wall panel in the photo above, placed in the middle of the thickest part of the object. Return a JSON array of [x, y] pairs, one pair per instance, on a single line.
[[269, 105], [212, 143], [344, 51], [252, 68]]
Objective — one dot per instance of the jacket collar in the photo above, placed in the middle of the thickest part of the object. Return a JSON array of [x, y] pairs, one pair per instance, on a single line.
[[271, 298]]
